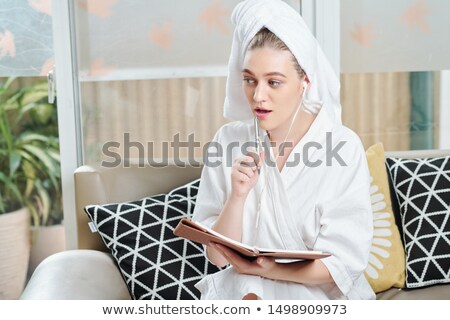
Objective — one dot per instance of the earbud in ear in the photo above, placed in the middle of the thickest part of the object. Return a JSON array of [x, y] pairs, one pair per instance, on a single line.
[[305, 86]]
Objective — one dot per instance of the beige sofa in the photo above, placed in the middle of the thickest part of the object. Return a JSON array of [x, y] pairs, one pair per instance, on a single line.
[[90, 272]]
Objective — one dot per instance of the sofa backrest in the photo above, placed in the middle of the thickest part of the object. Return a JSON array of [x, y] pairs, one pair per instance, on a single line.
[[417, 154], [100, 185]]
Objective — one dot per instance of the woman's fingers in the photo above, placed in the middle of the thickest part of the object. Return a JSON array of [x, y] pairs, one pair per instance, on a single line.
[[229, 254], [240, 264], [243, 175], [244, 171], [254, 157], [250, 172], [248, 162], [257, 159]]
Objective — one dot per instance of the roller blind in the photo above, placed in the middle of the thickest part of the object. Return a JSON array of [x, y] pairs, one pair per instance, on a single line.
[[26, 46], [395, 36]]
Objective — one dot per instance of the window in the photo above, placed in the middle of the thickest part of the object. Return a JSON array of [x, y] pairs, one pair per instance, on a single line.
[[393, 74]]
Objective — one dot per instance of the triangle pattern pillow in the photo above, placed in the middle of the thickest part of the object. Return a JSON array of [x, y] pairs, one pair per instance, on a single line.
[[422, 187], [154, 263], [386, 266]]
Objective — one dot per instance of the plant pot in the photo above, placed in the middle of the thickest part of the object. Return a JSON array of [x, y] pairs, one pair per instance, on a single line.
[[46, 240], [14, 252]]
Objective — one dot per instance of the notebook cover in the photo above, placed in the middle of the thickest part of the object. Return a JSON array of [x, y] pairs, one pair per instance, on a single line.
[[190, 230]]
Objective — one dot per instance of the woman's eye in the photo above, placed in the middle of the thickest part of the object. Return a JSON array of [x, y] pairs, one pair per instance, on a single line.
[[274, 83], [249, 81]]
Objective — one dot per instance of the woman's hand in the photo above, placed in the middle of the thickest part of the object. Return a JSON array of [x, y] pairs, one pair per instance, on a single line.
[[244, 174], [313, 272], [263, 266]]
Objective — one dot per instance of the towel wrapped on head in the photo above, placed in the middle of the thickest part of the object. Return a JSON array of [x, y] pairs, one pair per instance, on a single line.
[[249, 17]]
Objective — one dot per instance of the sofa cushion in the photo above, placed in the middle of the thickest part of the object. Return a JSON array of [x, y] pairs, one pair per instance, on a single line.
[[386, 266], [422, 187], [155, 264]]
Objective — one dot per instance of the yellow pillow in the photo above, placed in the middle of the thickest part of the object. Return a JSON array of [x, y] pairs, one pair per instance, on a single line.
[[386, 267]]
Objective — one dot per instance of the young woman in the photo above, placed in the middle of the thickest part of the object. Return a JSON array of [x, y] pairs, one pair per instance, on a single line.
[[313, 194]]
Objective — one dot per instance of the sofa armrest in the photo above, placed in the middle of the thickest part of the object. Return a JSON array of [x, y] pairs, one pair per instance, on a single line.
[[74, 275]]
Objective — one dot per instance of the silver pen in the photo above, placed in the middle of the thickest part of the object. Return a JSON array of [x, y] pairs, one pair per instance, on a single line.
[[257, 140], [254, 155]]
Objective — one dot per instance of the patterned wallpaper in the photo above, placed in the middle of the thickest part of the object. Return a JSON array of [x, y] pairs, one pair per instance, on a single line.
[[137, 39], [26, 47], [152, 38], [394, 36]]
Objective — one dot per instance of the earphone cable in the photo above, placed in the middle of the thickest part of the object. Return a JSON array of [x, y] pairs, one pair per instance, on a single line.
[[259, 199]]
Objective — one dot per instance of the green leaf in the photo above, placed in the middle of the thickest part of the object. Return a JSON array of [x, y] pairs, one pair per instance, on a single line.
[[9, 81], [43, 162], [12, 103], [34, 94], [11, 186], [35, 163], [23, 111], [42, 156], [29, 150], [5, 86], [5, 131], [30, 176], [43, 200], [55, 155], [33, 211], [14, 162], [42, 112], [30, 136]]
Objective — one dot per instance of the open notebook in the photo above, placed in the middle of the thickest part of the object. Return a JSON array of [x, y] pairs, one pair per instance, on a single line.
[[196, 232]]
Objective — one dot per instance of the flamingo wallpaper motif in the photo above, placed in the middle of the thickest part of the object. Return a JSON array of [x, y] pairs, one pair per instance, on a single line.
[[193, 40], [144, 39], [118, 39], [26, 47], [401, 35]]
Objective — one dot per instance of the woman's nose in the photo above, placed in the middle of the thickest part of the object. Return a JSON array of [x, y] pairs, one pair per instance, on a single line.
[[259, 94]]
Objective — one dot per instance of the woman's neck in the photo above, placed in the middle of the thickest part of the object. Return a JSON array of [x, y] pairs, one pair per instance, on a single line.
[[301, 125]]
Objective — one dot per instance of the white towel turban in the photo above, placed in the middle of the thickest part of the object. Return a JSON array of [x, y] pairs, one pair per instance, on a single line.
[[252, 15]]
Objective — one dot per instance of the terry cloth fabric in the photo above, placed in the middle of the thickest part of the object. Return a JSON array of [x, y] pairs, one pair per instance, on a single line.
[[252, 15]]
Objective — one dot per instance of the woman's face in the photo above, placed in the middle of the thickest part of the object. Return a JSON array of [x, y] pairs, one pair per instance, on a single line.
[[272, 87]]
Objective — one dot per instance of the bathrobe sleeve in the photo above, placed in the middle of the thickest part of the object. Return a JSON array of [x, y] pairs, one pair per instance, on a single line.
[[346, 225], [212, 192]]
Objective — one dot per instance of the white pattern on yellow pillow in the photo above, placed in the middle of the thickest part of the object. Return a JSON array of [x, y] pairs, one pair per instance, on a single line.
[[386, 266]]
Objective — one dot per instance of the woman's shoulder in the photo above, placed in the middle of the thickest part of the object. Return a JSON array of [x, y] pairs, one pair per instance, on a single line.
[[352, 145], [343, 132]]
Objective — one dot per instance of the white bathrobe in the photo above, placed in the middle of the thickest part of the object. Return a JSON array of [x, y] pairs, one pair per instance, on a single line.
[[324, 207]]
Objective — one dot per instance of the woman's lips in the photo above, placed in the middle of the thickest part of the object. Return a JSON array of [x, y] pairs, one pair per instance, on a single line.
[[262, 113]]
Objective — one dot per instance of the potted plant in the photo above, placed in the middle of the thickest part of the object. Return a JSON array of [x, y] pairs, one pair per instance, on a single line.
[[29, 177], [48, 236]]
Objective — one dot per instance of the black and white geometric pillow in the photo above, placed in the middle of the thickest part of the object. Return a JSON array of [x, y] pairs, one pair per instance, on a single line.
[[422, 187], [155, 264]]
